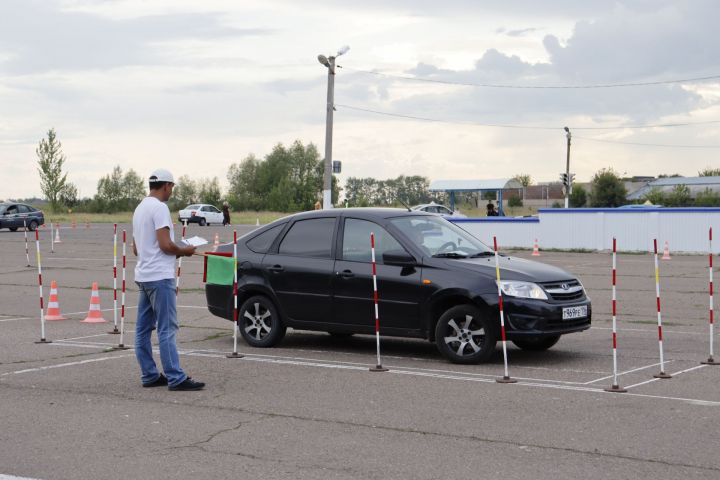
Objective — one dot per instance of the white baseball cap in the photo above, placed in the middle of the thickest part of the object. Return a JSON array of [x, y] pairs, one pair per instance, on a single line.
[[161, 175]]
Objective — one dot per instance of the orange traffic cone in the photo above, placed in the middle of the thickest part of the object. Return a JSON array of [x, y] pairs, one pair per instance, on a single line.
[[536, 249], [666, 252], [74, 224], [217, 240], [57, 234], [94, 314], [53, 309]]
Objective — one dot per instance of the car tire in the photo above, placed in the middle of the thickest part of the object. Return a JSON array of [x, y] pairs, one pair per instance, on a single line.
[[32, 225], [13, 229], [260, 323], [202, 222], [464, 335], [538, 344]]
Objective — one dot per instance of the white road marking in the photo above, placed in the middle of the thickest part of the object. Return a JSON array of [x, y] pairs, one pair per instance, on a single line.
[[61, 365], [672, 374], [626, 372]]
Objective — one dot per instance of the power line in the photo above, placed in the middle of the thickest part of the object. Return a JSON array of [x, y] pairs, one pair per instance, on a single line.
[[526, 127], [537, 87], [646, 144]]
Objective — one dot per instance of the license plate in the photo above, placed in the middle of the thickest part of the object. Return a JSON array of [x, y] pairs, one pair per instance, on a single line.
[[574, 312]]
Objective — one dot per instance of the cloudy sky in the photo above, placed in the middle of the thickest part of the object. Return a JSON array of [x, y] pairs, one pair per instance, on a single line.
[[196, 86]]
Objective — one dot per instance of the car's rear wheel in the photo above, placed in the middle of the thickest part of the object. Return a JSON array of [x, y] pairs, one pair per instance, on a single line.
[[538, 344], [32, 225], [13, 229], [260, 324], [202, 222], [464, 335]]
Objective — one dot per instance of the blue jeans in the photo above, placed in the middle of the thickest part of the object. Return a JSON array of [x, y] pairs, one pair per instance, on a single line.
[[156, 309]]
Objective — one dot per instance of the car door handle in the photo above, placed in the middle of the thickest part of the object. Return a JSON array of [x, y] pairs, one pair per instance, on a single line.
[[276, 269], [346, 274]]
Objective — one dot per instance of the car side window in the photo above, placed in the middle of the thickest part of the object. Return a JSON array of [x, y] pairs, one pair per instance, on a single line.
[[356, 241], [444, 210], [205, 209], [23, 209], [309, 238], [262, 243], [214, 210]]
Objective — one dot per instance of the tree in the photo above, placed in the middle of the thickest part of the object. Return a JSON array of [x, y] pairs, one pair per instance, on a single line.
[[679, 197], [51, 160], [607, 189], [117, 192], [707, 198], [709, 172], [69, 195], [524, 179], [209, 191], [578, 197], [655, 196], [185, 191]]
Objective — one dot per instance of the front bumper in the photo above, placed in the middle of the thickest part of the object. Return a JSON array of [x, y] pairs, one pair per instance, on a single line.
[[539, 318]]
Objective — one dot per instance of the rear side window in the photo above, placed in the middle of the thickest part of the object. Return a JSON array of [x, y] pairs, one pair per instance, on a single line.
[[309, 238], [262, 243], [23, 209]]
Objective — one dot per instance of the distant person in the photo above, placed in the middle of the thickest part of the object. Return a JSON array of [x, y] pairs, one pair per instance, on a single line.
[[491, 212], [318, 205], [226, 214], [155, 277]]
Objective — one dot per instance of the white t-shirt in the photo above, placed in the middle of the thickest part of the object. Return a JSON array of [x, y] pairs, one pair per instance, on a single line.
[[153, 264]]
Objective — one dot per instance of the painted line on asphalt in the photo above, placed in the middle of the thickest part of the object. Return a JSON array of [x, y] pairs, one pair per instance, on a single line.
[[649, 331], [12, 477], [626, 372], [62, 365], [672, 374], [15, 319]]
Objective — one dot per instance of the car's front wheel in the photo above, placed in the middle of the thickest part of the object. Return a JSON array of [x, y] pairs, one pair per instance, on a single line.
[[33, 225], [13, 229], [538, 344], [464, 335], [260, 324]]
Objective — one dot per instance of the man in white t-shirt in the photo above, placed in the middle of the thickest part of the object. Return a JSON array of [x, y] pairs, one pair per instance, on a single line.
[[155, 276]]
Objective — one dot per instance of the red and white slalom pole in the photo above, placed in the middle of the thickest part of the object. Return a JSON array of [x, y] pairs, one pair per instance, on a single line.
[[236, 323], [506, 378], [615, 388], [115, 323], [711, 359], [121, 345], [27, 251], [177, 279], [378, 367], [662, 373], [42, 306]]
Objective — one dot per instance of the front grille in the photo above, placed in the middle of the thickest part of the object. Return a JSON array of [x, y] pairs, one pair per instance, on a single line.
[[564, 291]]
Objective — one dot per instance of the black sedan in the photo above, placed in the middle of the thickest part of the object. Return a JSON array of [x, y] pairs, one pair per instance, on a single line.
[[312, 271], [17, 215]]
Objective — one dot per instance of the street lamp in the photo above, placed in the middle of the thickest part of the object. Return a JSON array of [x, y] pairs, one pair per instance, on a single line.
[[329, 63], [567, 170]]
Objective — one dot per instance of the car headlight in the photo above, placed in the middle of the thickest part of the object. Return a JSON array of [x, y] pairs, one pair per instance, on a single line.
[[514, 288]]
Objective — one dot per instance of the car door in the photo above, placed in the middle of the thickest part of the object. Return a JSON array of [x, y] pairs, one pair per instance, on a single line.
[[24, 215], [12, 217], [216, 215], [398, 287], [301, 270]]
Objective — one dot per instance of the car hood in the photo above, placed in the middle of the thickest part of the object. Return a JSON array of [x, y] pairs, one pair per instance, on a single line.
[[512, 268]]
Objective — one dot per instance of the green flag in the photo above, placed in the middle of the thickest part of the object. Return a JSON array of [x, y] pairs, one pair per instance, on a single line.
[[220, 270]]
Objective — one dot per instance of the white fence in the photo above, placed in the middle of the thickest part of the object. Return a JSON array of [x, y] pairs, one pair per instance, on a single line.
[[685, 229]]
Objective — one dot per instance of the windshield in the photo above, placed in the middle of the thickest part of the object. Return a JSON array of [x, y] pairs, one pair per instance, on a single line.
[[439, 238]]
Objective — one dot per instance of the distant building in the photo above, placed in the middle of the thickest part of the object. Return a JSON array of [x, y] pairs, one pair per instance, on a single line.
[[666, 185]]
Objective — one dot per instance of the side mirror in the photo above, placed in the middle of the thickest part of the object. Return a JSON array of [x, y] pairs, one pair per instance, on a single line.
[[399, 258]]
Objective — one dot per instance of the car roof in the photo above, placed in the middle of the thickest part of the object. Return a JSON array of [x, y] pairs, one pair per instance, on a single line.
[[370, 213]]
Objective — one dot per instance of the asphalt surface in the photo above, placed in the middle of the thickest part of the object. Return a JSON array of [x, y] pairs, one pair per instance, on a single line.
[[74, 409]]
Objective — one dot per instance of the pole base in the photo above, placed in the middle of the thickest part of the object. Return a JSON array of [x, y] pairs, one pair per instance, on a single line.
[[505, 380], [378, 368], [615, 389], [662, 375], [120, 347], [115, 332], [710, 361], [234, 355], [43, 340]]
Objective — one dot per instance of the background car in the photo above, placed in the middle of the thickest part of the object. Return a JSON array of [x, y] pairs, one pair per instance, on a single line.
[[312, 271], [201, 213], [12, 216], [442, 210]]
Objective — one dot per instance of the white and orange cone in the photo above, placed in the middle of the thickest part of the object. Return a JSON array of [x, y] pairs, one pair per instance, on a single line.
[[536, 249], [53, 309], [666, 252], [57, 234], [217, 240], [94, 314]]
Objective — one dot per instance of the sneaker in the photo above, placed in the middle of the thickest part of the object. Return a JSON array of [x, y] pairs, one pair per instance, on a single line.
[[161, 381], [187, 384]]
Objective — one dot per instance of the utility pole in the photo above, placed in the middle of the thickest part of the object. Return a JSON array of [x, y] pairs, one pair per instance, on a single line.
[[568, 185], [329, 62]]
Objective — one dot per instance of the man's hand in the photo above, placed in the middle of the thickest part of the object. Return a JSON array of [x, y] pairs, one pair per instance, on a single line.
[[186, 251]]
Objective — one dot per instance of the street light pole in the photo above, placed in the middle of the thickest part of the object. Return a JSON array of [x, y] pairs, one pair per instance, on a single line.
[[329, 62], [567, 170]]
